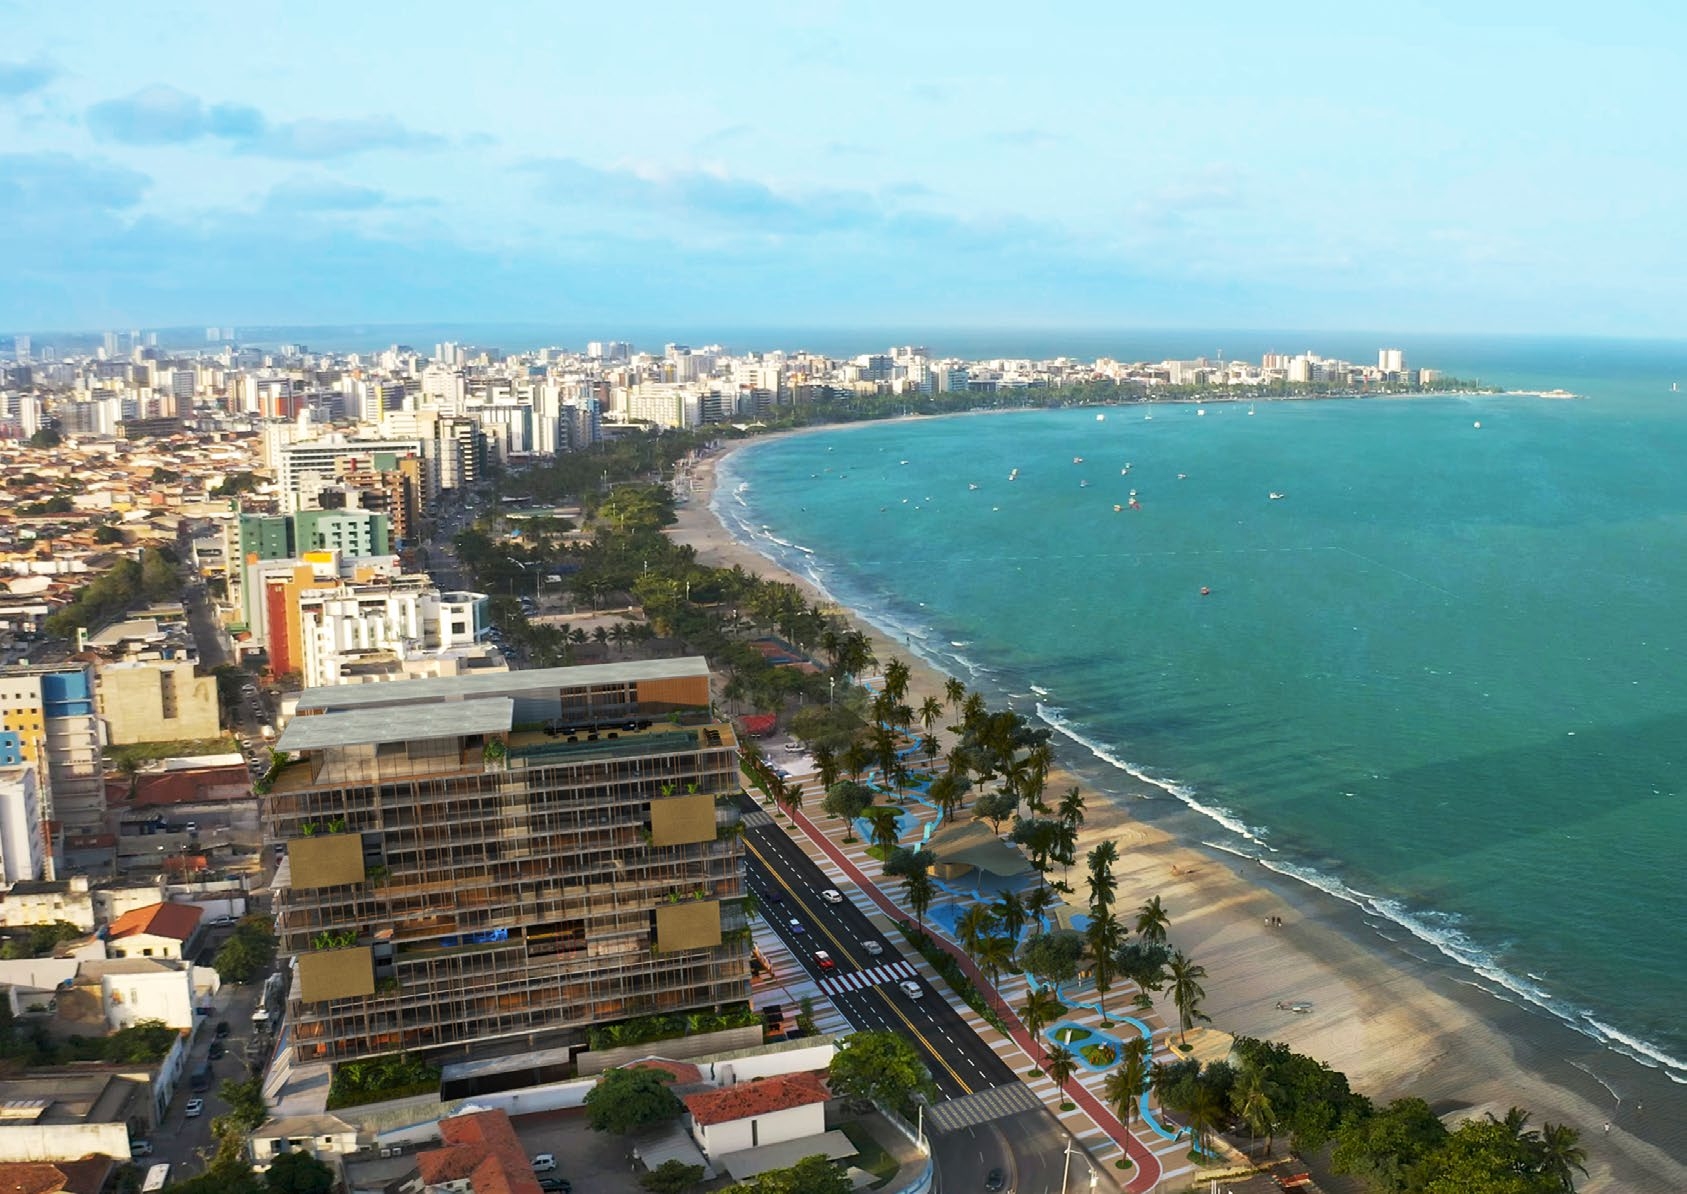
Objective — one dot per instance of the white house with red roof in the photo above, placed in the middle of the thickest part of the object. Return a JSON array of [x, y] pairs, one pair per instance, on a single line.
[[153, 931], [758, 1113]]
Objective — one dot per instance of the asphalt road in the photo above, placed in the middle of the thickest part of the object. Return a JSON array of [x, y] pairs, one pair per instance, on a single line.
[[1027, 1146], [787, 886], [184, 1143]]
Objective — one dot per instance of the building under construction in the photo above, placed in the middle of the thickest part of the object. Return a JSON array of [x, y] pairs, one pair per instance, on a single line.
[[480, 864]]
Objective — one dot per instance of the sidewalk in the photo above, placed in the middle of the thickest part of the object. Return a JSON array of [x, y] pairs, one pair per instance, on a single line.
[[1156, 1153]]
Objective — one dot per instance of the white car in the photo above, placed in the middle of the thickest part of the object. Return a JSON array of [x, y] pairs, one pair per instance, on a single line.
[[873, 947], [911, 989], [832, 895], [544, 1163], [194, 1109]]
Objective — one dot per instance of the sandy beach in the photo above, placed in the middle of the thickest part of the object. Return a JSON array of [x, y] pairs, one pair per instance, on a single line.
[[1396, 1026]]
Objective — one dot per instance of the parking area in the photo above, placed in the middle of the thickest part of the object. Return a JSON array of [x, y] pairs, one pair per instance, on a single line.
[[594, 1161]]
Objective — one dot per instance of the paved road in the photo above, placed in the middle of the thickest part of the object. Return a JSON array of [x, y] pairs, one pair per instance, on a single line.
[[1026, 1145], [186, 1143]]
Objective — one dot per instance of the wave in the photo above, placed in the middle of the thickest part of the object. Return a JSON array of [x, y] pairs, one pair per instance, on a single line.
[[1225, 817], [772, 538], [1039, 690], [1437, 929]]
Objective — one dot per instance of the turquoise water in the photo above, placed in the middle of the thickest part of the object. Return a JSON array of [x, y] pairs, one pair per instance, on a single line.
[[1441, 677]]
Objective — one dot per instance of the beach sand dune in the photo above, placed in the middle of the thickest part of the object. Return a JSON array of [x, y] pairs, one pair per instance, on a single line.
[[1394, 1026]]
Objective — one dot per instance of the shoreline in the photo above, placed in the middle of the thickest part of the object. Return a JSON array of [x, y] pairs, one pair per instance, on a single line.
[[1397, 1024]]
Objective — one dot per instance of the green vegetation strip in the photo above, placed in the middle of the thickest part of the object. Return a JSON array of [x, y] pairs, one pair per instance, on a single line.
[[945, 964]]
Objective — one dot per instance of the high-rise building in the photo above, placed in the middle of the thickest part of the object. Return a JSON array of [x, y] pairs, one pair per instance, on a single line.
[[22, 852], [47, 715], [20, 347], [1391, 360], [486, 864]]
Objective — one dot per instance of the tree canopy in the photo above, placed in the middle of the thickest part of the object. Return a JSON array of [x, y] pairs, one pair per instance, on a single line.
[[624, 1100], [248, 953], [811, 1175], [880, 1067]]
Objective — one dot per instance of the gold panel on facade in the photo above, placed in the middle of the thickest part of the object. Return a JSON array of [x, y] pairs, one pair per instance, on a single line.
[[681, 820], [326, 861], [679, 692], [336, 974], [694, 924]]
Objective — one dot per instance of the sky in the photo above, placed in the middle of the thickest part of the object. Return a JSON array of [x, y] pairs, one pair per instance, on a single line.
[[1478, 166]]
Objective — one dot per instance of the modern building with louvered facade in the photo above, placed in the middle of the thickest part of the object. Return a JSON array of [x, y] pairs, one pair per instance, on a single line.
[[480, 864]]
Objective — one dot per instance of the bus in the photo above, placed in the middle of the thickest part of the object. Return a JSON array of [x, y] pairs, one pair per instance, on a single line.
[[157, 1177]]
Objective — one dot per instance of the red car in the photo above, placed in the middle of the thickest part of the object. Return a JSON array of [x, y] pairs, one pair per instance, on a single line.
[[823, 960]]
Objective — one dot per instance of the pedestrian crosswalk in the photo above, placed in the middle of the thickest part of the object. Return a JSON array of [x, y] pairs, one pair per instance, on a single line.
[[757, 819], [871, 977], [995, 1102]]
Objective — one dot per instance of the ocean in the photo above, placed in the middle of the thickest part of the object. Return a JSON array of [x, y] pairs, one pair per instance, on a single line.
[[1440, 677]]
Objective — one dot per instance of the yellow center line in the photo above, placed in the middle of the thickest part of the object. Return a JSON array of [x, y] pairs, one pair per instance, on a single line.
[[877, 990]]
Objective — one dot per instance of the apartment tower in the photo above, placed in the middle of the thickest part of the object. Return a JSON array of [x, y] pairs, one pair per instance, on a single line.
[[477, 865]]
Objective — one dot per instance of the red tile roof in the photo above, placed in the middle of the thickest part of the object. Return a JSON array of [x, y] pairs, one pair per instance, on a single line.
[[761, 1097], [193, 785], [483, 1147], [177, 921], [757, 724], [87, 1176], [679, 1071]]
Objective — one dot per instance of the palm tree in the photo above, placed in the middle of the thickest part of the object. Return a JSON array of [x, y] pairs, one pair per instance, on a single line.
[[884, 823], [973, 709], [918, 889], [1040, 1009], [995, 954], [1151, 922], [1187, 993], [1059, 1065], [856, 759], [1252, 1100], [1072, 807], [1010, 911], [1559, 1150], [974, 925], [826, 764], [931, 711], [1103, 887], [928, 747], [896, 679], [1037, 903], [954, 692], [947, 791], [1103, 936], [1516, 1123], [1131, 1078], [1205, 1114]]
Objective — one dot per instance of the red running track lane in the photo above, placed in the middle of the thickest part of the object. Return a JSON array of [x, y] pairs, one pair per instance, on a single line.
[[1145, 1165]]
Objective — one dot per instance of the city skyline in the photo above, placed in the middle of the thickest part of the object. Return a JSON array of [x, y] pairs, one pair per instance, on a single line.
[[1421, 171]]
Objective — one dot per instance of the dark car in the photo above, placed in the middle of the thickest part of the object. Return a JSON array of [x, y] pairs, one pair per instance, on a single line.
[[222, 1029], [995, 1180], [216, 1051], [558, 1185]]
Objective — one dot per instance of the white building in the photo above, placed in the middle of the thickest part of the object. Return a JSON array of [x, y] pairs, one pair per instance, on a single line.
[[754, 1114], [21, 855], [337, 627], [1392, 360]]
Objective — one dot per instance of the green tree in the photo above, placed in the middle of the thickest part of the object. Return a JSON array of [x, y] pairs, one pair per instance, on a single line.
[[879, 1067], [1251, 1099], [1071, 808], [1385, 1149], [954, 693], [1482, 1156], [995, 807], [1060, 1066], [896, 680], [1103, 886], [1124, 1086], [1151, 922], [1053, 956], [931, 712], [246, 1105], [1010, 913], [1187, 993], [46, 437], [975, 924], [1103, 936], [249, 952], [1561, 1156], [672, 1176], [918, 890], [847, 800], [1143, 963], [624, 1100], [298, 1172], [1040, 1009], [811, 1175], [883, 824]]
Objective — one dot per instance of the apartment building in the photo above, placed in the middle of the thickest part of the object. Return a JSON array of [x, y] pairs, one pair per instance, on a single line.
[[50, 710], [488, 863]]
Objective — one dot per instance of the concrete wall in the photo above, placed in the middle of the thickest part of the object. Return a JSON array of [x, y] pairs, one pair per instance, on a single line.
[[165, 996], [132, 700], [62, 1142], [680, 1048], [793, 1123], [765, 1065]]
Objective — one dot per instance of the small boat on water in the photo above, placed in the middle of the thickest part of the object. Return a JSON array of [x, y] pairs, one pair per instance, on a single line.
[[971, 485], [901, 462], [1117, 508], [1083, 484], [1133, 493], [1277, 497], [1077, 460], [1183, 476], [1013, 476]]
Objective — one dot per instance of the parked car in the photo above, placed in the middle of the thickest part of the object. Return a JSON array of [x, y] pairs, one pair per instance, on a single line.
[[544, 1163], [222, 920], [556, 1185], [216, 1051], [832, 895], [222, 1029], [194, 1109], [140, 1148]]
